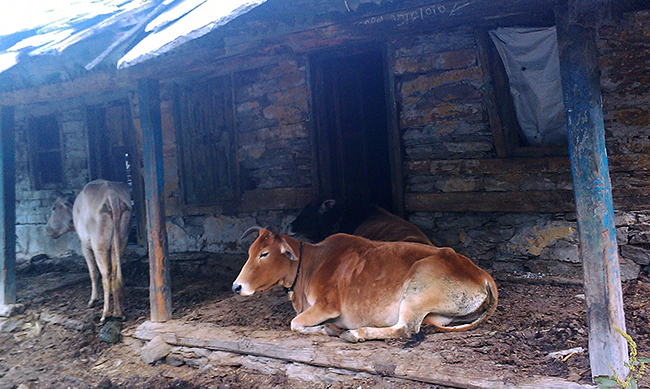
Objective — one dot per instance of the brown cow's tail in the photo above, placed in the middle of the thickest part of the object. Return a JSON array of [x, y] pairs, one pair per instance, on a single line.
[[471, 321]]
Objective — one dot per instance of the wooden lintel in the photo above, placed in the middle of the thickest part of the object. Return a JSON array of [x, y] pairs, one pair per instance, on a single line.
[[92, 84], [524, 201], [159, 278], [577, 26], [7, 207], [489, 166], [271, 199]]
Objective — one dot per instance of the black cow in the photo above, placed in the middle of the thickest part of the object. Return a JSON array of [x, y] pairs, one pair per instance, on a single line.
[[322, 218]]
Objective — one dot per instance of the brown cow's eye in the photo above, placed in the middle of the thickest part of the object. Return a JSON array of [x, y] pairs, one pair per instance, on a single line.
[[264, 255]]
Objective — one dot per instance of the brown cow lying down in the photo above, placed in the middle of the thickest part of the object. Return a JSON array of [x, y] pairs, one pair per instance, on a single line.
[[101, 215], [375, 290], [322, 218]]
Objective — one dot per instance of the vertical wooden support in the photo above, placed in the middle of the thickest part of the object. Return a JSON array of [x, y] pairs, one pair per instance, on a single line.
[[7, 207], [593, 191], [159, 280]]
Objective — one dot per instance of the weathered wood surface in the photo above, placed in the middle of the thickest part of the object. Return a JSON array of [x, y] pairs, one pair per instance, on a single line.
[[522, 201], [159, 280], [93, 84], [416, 364], [7, 207], [579, 65], [617, 163], [269, 199]]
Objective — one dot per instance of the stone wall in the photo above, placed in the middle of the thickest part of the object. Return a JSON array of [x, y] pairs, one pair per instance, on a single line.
[[448, 150], [273, 150], [444, 117], [33, 206]]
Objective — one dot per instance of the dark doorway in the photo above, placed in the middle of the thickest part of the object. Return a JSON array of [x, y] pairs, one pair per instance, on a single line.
[[351, 121], [112, 148]]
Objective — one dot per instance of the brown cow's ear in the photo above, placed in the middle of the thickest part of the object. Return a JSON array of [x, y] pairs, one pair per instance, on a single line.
[[286, 249]]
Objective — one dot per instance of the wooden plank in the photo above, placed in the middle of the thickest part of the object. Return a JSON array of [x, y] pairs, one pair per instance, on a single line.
[[150, 122], [7, 207], [396, 154], [93, 84], [274, 199], [382, 359], [524, 201], [485, 60], [577, 32], [462, 167], [548, 164]]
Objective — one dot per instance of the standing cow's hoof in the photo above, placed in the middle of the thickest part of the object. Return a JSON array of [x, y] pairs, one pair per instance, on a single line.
[[348, 336], [92, 303]]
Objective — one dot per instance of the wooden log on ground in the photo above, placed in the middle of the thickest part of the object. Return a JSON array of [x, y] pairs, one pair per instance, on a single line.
[[415, 364]]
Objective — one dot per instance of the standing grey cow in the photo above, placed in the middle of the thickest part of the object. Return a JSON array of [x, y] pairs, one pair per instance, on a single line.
[[101, 215]]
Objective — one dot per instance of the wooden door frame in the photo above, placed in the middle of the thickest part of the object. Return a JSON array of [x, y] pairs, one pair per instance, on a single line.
[[321, 169]]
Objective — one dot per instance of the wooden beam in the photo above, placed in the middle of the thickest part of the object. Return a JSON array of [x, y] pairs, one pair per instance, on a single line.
[[7, 207], [418, 364], [524, 201], [577, 31], [150, 122], [93, 84]]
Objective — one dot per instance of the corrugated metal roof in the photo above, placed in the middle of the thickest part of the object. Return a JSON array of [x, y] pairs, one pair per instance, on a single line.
[[48, 27]]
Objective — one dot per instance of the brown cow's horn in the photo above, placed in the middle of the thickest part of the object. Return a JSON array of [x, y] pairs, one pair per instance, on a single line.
[[250, 231]]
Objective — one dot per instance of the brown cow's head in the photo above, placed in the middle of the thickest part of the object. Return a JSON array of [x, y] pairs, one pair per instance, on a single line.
[[268, 264], [60, 220]]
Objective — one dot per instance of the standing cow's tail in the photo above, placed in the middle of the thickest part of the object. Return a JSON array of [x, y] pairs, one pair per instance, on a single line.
[[471, 321]]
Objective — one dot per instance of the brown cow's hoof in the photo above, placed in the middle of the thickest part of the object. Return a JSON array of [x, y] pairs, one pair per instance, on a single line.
[[331, 330], [92, 303], [349, 337]]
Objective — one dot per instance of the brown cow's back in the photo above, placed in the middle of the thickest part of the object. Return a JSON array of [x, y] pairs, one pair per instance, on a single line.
[[358, 272]]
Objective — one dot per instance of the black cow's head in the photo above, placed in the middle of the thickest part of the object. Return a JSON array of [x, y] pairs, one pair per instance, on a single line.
[[317, 220]]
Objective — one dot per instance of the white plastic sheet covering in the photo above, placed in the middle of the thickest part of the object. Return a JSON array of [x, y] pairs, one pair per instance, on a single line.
[[530, 56]]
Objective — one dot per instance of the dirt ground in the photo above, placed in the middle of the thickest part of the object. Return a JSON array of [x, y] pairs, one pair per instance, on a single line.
[[55, 342]]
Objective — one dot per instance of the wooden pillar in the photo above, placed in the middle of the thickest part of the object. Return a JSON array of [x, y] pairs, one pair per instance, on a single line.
[[577, 29], [7, 207], [150, 122]]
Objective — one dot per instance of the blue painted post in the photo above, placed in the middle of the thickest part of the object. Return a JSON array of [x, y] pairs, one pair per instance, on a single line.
[[577, 29], [7, 207], [159, 280]]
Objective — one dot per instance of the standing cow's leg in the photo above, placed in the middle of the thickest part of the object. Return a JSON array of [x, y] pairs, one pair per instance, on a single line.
[[120, 240], [117, 283], [92, 270], [102, 259]]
